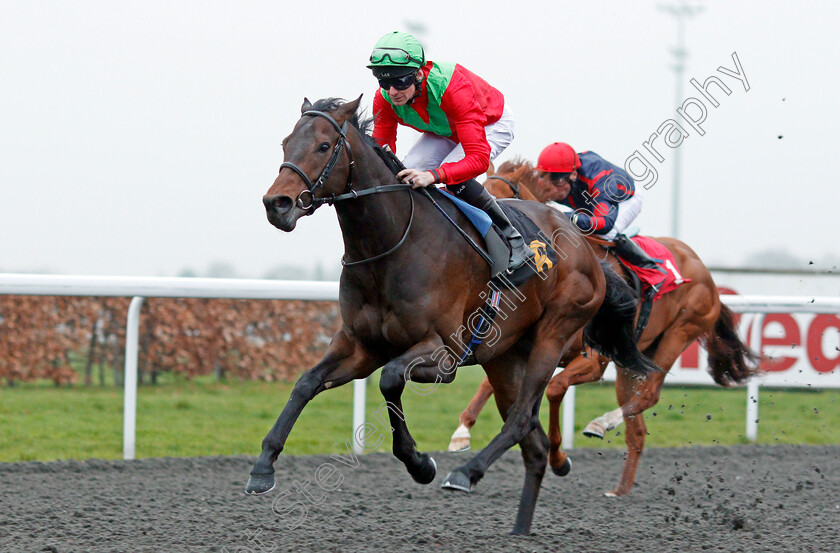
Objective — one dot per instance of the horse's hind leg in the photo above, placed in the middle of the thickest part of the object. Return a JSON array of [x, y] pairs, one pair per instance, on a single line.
[[426, 362], [344, 361], [460, 440], [582, 369], [636, 396], [504, 373], [521, 418], [534, 454]]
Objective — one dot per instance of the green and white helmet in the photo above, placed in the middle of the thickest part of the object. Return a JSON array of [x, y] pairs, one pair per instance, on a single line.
[[396, 54]]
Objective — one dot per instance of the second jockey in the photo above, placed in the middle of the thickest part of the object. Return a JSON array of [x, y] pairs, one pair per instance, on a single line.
[[464, 122], [602, 195]]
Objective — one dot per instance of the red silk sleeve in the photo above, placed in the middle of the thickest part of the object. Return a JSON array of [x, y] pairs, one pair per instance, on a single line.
[[467, 120], [384, 122]]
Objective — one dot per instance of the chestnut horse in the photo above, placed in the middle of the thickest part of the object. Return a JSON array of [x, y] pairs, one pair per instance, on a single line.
[[409, 286], [692, 311], [514, 179]]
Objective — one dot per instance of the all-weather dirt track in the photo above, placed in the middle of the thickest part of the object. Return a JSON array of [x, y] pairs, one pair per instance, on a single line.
[[740, 498]]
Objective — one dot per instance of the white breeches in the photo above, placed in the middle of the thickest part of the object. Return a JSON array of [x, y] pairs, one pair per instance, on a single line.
[[627, 211]]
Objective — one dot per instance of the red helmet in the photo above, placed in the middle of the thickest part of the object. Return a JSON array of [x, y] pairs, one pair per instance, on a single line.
[[558, 158]]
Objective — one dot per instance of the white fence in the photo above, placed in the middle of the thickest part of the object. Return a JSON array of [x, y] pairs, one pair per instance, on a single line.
[[139, 288]]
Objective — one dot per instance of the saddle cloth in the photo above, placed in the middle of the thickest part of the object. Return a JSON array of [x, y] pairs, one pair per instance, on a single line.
[[668, 282]]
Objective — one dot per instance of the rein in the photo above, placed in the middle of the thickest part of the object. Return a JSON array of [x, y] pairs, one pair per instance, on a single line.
[[377, 190], [350, 194], [513, 187], [600, 241]]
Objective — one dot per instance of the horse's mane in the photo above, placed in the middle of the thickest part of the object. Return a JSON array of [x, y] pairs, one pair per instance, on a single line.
[[364, 125], [519, 169], [512, 165]]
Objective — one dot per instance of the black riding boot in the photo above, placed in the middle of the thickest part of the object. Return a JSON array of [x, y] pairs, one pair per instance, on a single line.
[[628, 250], [476, 195]]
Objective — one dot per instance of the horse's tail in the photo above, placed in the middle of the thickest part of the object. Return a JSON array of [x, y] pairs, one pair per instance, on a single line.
[[612, 330], [730, 360]]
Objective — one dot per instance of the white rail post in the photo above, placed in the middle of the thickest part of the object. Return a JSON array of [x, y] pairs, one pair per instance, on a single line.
[[752, 383], [568, 441], [132, 335], [752, 409], [359, 387]]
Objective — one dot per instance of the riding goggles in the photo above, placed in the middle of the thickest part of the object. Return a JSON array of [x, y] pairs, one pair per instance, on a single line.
[[400, 83], [554, 177], [397, 56]]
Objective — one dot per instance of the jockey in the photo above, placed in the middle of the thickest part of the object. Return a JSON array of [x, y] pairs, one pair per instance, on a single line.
[[464, 121], [602, 195]]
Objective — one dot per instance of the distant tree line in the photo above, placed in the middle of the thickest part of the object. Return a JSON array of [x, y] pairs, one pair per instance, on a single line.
[[72, 339]]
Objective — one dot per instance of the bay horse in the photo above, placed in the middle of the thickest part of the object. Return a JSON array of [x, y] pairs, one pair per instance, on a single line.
[[693, 311], [409, 285]]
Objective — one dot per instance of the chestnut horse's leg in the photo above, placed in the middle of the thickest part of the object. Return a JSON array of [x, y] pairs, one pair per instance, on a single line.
[[344, 361], [636, 396], [582, 369], [426, 362], [460, 440]]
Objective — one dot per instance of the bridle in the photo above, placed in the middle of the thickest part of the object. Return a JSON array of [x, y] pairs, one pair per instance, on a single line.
[[513, 187], [328, 168], [349, 193]]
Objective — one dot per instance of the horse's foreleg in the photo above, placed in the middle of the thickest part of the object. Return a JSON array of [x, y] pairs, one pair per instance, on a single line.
[[345, 361], [460, 440], [426, 363], [582, 369]]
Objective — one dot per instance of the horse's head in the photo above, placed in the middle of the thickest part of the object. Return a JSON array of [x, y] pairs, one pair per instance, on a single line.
[[513, 179], [317, 162]]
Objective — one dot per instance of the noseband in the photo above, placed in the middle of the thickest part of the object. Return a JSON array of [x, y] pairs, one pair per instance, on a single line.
[[513, 187], [325, 174]]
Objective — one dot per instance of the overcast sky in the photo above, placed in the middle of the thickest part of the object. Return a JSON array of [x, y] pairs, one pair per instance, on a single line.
[[138, 138]]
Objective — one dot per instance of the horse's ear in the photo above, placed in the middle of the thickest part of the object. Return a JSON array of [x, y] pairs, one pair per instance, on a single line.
[[491, 170], [347, 110], [306, 105]]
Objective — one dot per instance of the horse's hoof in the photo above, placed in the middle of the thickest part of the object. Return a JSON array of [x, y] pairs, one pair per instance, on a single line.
[[460, 439], [456, 480], [594, 430], [427, 471], [459, 444], [259, 484], [563, 469], [610, 494]]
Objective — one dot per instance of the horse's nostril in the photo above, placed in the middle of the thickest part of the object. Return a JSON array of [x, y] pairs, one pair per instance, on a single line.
[[281, 204]]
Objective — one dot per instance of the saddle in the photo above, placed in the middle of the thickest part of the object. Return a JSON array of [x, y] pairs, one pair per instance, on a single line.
[[497, 247]]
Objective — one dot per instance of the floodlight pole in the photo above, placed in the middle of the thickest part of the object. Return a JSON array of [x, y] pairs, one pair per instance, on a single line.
[[681, 11]]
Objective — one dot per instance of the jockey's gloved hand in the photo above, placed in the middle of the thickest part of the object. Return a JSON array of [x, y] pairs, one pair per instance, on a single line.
[[580, 219]]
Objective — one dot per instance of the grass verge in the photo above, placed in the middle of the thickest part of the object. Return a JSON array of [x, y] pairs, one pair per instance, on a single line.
[[189, 418]]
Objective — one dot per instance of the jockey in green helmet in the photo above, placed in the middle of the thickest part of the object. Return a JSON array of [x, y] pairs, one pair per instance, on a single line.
[[463, 121]]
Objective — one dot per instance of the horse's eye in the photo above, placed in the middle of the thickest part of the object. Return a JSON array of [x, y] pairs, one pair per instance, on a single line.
[[324, 147]]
